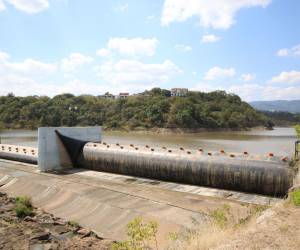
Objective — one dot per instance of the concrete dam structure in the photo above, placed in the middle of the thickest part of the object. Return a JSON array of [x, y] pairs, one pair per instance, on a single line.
[[240, 173], [267, 175]]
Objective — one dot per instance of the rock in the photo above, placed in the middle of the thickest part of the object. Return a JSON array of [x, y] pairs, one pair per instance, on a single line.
[[84, 232], [60, 229], [60, 222], [29, 218], [265, 216], [41, 236], [45, 218]]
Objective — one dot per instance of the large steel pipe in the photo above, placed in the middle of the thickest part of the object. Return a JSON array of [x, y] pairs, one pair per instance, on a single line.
[[240, 173], [18, 153]]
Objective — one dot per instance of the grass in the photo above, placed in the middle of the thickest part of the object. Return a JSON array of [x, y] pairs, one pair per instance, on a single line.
[[295, 197], [73, 223], [219, 217], [223, 225], [23, 206]]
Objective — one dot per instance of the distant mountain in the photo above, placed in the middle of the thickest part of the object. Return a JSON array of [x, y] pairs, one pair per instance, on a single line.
[[279, 105]]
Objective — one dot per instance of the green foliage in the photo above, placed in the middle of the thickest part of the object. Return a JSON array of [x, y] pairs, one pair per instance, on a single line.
[[23, 206], [295, 197], [150, 109], [73, 223], [140, 236], [280, 118], [221, 215]]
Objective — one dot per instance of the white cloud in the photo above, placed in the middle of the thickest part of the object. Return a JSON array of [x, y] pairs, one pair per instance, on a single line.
[[218, 73], [103, 52], [122, 7], [133, 46], [294, 51], [218, 14], [3, 56], [183, 47], [29, 6], [27, 67], [247, 77], [253, 92], [31, 66], [22, 77], [210, 38], [287, 77], [282, 52], [73, 61], [2, 6], [136, 72]]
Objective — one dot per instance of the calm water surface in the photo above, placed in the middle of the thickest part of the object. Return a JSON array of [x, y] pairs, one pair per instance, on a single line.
[[279, 141]]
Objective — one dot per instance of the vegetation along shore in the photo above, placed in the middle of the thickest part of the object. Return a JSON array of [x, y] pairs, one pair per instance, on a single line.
[[154, 110]]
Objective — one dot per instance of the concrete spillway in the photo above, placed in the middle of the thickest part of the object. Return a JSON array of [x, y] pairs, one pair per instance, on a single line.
[[234, 172]]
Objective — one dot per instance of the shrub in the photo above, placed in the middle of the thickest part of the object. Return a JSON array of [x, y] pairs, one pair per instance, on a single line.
[[23, 206], [295, 197], [140, 235], [26, 200]]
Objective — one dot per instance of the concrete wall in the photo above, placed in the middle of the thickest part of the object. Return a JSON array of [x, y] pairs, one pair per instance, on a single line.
[[51, 153]]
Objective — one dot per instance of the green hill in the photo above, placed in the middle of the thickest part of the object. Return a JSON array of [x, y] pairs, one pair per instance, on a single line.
[[148, 110]]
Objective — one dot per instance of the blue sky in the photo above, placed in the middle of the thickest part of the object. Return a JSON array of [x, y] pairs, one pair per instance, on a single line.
[[247, 47]]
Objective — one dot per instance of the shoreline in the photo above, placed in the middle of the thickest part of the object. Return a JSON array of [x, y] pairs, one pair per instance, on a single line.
[[163, 131], [170, 131]]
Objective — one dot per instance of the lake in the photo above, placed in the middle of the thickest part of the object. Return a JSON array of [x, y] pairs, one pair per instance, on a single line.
[[279, 141]]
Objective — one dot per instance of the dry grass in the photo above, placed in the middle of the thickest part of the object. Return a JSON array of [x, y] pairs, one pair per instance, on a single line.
[[275, 227], [208, 238]]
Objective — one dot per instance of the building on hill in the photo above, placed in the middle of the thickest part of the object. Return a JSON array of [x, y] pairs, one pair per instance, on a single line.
[[179, 92], [108, 96], [123, 95]]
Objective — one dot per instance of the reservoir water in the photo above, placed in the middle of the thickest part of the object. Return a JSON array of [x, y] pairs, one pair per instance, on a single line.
[[279, 141]]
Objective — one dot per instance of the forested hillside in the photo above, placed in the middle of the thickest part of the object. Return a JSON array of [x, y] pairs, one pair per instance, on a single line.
[[280, 118], [150, 109], [278, 106]]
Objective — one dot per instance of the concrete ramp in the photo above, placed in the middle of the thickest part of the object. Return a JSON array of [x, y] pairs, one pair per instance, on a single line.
[[103, 210], [107, 204]]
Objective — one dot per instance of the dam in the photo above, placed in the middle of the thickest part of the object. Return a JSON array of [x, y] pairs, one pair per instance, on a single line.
[[267, 175], [76, 175]]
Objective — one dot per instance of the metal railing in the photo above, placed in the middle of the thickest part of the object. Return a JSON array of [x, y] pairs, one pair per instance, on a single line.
[[297, 150]]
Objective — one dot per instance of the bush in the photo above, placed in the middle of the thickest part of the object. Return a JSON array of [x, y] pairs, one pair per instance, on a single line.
[[140, 236], [23, 206], [295, 197], [26, 200]]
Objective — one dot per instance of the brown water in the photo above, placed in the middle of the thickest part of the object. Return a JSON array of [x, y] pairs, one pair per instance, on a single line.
[[280, 141]]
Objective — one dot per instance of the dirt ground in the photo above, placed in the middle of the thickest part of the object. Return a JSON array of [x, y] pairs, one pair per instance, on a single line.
[[43, 231]]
